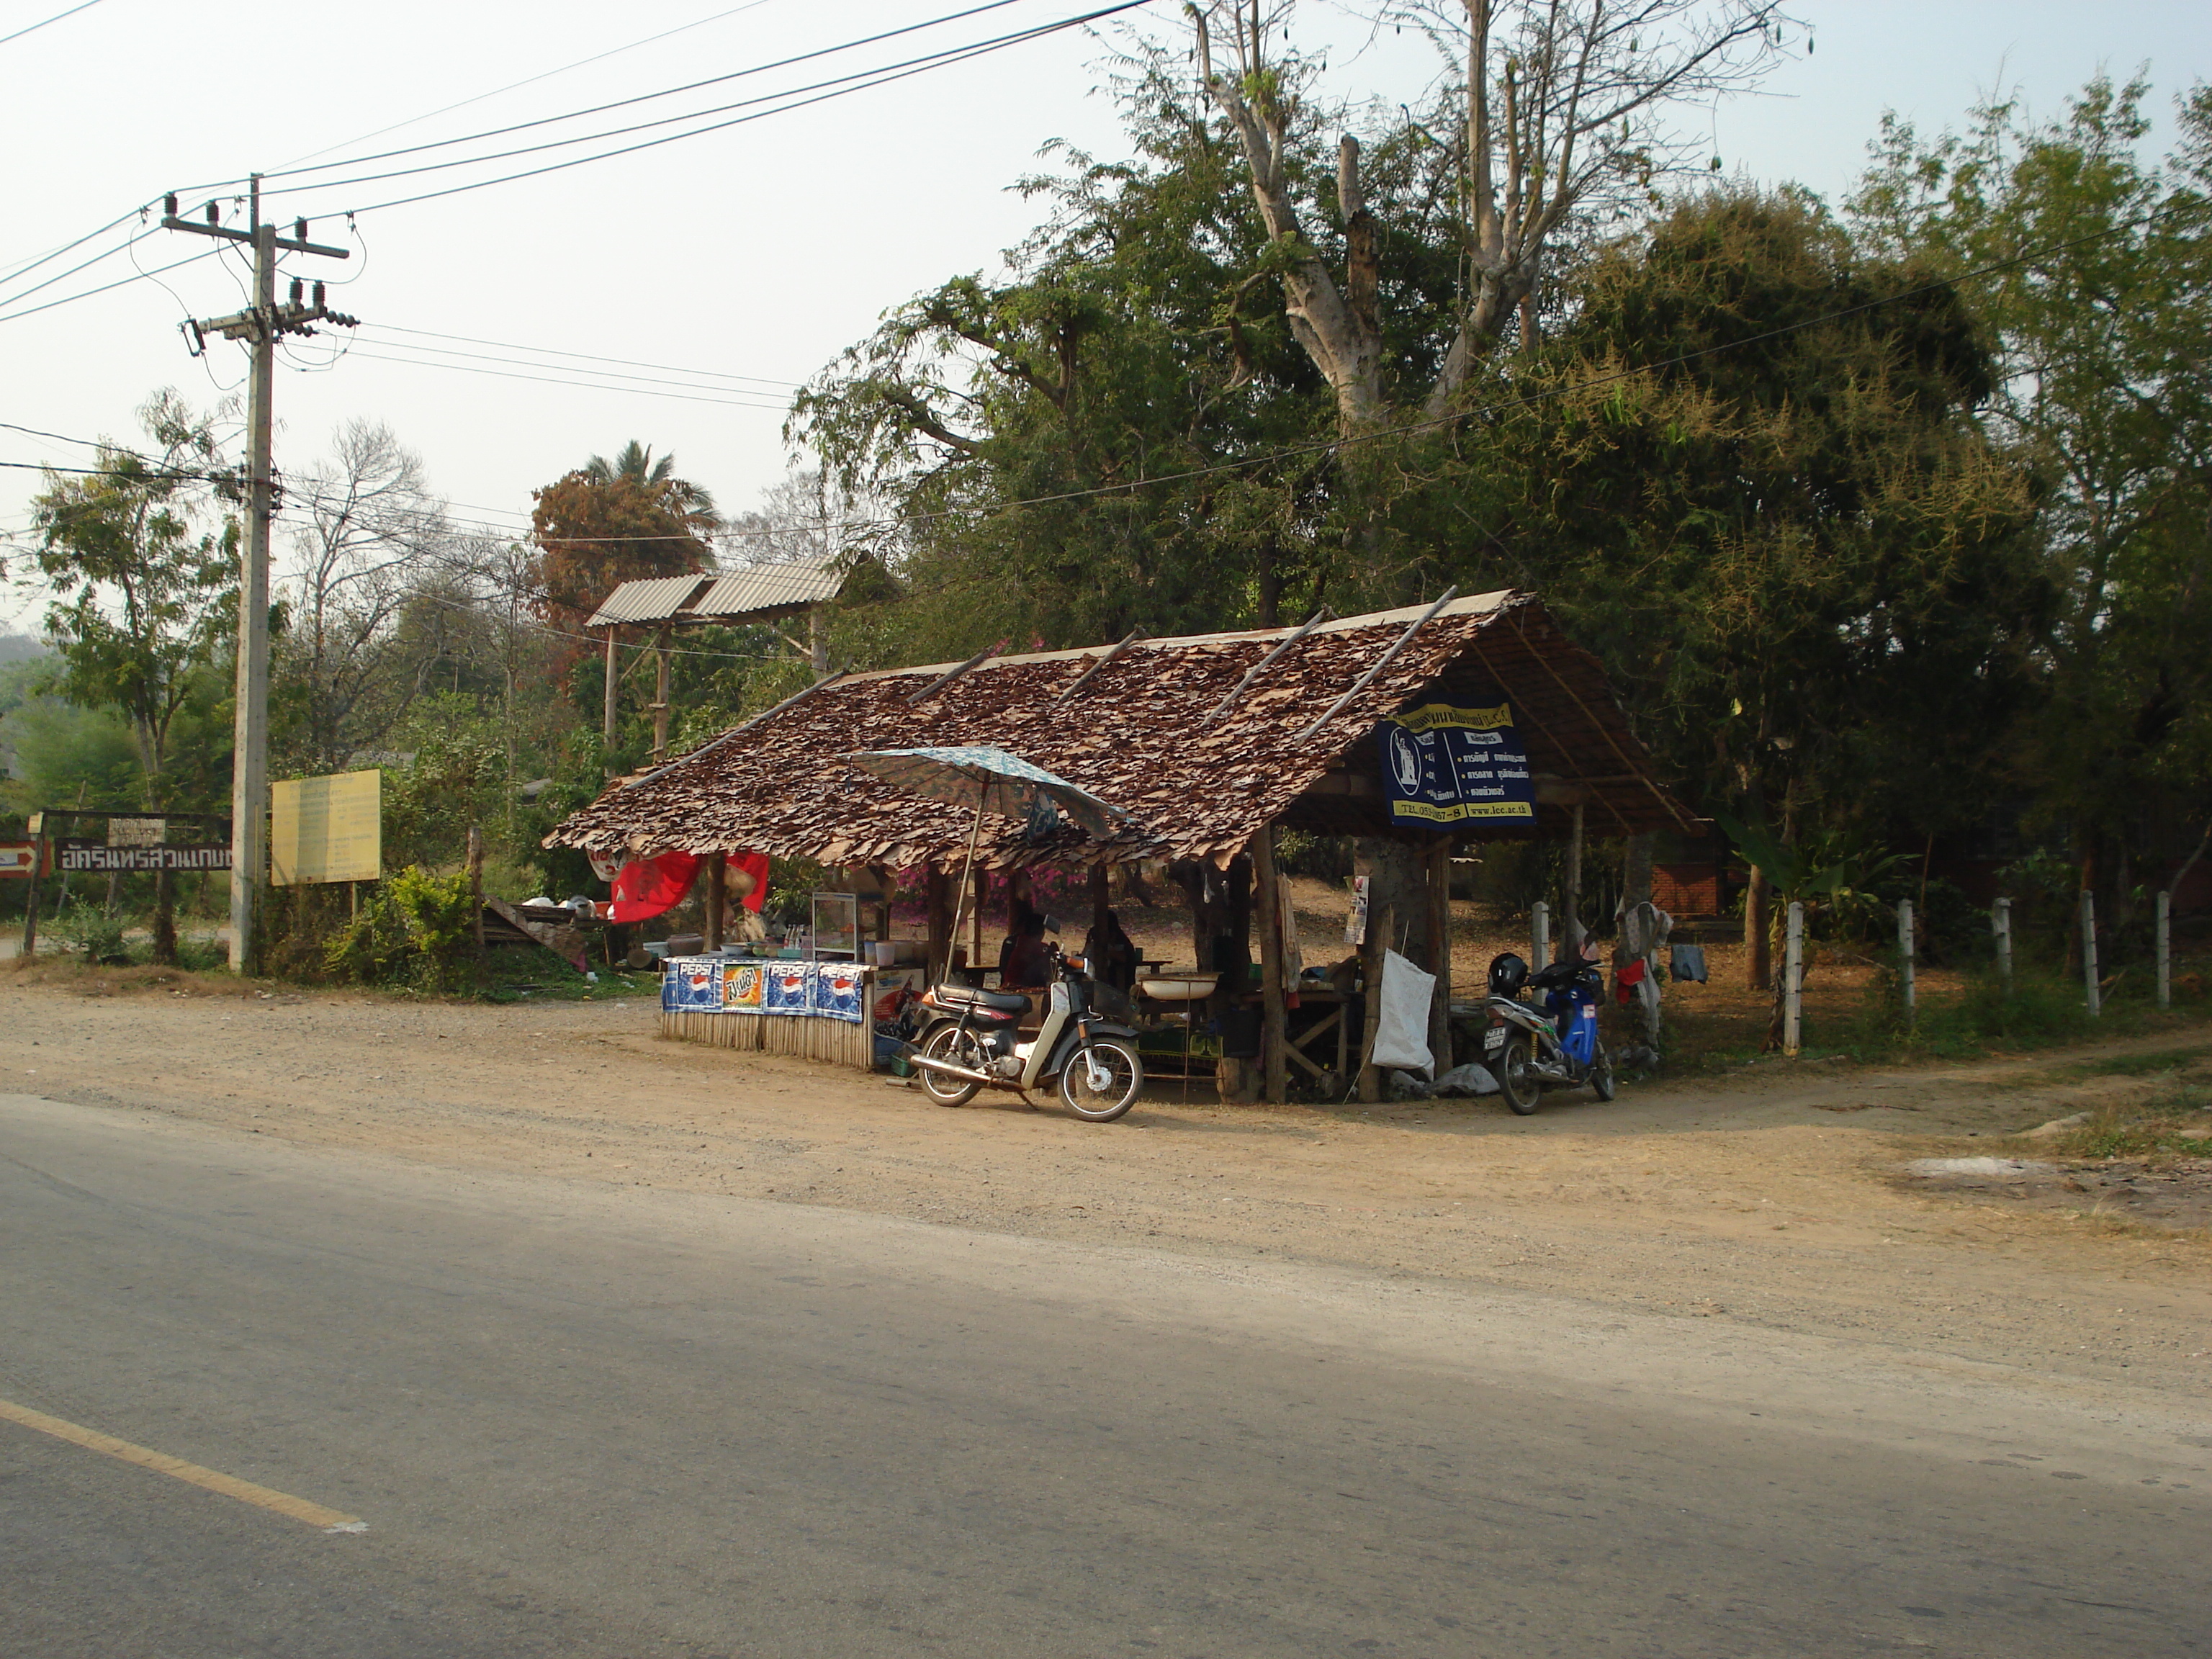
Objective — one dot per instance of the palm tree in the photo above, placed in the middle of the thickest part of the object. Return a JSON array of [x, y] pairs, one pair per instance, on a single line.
[[635, 461]]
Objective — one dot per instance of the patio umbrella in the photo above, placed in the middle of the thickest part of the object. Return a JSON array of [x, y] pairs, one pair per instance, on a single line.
[[991, 781]]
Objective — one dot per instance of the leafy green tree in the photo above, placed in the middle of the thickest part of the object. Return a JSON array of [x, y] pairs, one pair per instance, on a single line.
[[1748, 476], [2092, 268], [144, 590]]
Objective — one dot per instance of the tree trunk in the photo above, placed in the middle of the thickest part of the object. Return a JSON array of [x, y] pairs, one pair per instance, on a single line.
[[1758, 935], [165, 918]]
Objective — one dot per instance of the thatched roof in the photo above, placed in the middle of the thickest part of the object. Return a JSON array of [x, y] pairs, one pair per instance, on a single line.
[[1141, 732]]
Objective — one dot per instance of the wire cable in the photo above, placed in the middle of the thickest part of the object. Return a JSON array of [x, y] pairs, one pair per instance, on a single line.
[[587, 386], [549, 351], [626, 103], [841, 86], [529, 80], [85, 5], [122, 281], [599, 374]]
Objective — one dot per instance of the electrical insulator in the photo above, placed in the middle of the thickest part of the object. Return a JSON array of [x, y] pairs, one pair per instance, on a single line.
[[299, 230], [215, 213], [299, 290], [169, 206], [318, 296]]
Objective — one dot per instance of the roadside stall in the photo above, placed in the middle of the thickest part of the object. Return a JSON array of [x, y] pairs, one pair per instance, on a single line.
[[1421, 730]]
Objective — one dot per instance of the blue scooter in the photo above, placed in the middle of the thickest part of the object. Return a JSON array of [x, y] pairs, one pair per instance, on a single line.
[[1529, 1049]]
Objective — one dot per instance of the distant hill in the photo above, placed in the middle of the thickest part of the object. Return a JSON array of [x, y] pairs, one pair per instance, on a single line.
[[22, 648]]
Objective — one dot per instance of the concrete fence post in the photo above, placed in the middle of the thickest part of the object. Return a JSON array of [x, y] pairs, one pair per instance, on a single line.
[[1540, 936], [2164, 924], [2089, 953], [2000, 928], [1793, 979], [1904, 957]]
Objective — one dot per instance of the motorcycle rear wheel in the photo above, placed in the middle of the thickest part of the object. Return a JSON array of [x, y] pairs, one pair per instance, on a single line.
[[1515, 1074], [1125, 1073], [1601, 1081], [951, 1044]]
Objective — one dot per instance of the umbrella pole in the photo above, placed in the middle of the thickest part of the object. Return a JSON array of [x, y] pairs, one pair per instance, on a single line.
[[960, 905]]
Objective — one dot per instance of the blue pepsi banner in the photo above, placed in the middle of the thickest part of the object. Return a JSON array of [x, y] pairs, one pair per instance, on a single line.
[[1443, 766]]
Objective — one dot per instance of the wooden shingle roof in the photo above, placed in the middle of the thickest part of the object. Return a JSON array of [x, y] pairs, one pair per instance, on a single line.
[[1141, 732]]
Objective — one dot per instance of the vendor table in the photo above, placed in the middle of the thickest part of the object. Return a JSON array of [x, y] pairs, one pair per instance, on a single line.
[[814, 1010]]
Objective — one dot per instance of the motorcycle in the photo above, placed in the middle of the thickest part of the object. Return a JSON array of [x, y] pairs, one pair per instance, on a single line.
[[969, 1041], [1529, 1049]]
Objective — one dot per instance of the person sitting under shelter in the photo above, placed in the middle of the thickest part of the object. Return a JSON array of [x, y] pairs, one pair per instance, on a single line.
[[1022, 959], [1109, 956]]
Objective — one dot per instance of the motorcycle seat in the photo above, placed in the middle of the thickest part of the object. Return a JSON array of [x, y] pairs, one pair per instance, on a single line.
[[999, 1002]]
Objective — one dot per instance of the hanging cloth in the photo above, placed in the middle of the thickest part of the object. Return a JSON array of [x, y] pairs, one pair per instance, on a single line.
[[645, 887], [753, 867]]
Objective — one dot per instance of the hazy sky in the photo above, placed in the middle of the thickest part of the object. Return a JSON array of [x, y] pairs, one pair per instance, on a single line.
[[742, 260]]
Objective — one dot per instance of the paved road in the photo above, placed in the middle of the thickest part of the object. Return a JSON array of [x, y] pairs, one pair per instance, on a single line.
[[586, 1419]]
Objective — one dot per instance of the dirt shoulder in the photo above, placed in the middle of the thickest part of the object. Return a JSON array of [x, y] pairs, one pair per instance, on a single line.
[[1775, 1197]]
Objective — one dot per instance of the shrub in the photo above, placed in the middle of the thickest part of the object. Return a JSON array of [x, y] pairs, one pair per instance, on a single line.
[[417, 929]]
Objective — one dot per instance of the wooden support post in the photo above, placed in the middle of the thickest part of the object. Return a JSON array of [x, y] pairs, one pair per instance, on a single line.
[[2163, 924], [980, 886], [1540, 935], [1570, 918], [1905, 959], [607, 713], [1275, 1020], [1793, 981], [1382, 933], [940, 900], [2089, 953], [1439, 953], [30, 893], [1101, 897], [2001, 929], [476, 887], [818, 641], [718, 897], [660, 695]]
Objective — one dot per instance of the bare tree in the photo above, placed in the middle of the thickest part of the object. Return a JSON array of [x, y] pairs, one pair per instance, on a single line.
[[805, 516], [1564, 101], [372, 534]]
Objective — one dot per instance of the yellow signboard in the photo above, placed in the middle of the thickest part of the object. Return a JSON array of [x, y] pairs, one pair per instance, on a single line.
[[326, 829]]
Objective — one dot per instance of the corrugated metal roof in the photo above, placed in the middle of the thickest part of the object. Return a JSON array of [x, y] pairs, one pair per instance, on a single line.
[[1143, 736], [654, 598], [757, 592]]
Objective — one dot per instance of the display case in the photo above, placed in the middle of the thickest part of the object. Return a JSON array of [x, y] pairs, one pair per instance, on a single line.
[[836, 927]]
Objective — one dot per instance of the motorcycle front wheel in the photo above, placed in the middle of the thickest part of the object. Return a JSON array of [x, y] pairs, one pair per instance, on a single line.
[[1600, 1073], [1516, 1075], [958, 1048], [1124, 1082]]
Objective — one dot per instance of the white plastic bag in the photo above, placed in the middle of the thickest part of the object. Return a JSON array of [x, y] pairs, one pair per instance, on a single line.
[[1401, 1038]]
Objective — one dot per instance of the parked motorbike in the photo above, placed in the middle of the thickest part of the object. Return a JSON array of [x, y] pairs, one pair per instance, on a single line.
[[1529, 1049], [970, 1041]]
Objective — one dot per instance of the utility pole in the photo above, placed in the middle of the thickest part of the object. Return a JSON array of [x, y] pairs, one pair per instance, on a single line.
[[260, 326]]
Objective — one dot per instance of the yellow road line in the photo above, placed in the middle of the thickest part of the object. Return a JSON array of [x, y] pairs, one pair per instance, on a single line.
[[228, 1484]]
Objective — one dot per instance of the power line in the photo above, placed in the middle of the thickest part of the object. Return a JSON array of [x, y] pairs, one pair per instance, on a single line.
[[584, 386], [549, 351], [838, 86], [120, 282], [24, 268], [85, 5], [595, 374], [517, 85], [626, 103]]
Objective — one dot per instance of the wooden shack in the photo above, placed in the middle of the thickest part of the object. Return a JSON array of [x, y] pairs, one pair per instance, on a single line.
[[1209, 743]]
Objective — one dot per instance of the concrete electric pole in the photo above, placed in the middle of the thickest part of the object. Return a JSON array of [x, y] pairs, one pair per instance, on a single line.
[[260, 326]]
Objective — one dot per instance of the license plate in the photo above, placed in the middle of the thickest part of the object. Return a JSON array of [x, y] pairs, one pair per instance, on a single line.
[[1494, 1038]]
